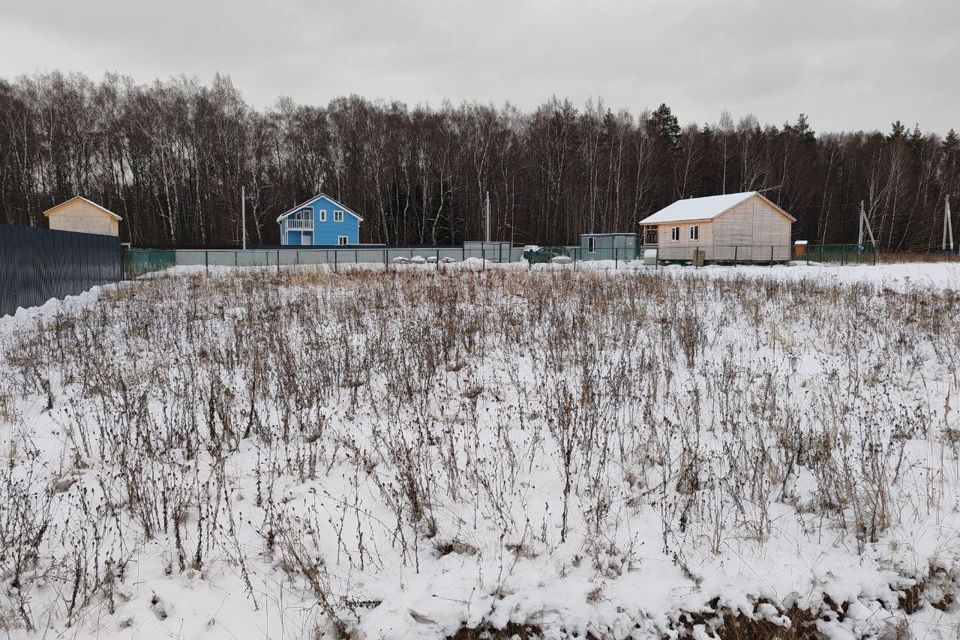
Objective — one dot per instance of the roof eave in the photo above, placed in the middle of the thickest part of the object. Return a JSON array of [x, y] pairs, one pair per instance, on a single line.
[[676, 221], [319, 195], [46, 214], [776, 206]]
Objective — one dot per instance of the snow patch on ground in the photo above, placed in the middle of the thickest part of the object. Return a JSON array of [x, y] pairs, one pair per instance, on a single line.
[[257, 454]]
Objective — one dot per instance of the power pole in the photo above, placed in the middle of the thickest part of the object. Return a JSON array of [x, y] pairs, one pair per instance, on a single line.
[[947, 227], [243, 216], [865, 222], [860, 232], [487, 235]]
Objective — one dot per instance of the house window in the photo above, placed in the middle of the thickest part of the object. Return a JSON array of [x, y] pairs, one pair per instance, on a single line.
[[341, 240], [323, 215], [338, 216], [592, 245], [695, 232], [675, 234]]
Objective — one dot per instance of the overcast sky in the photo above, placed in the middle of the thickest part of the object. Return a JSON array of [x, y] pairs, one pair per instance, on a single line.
[[849, 64]]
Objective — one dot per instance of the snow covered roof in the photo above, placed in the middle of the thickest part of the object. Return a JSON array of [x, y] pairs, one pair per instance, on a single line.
[[706, 208], [56, 208]]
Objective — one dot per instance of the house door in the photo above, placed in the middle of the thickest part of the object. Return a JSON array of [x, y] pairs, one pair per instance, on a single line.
[[306, 239]]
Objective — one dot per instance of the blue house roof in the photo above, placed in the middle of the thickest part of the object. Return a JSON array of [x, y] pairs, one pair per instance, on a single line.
[[314, 199]]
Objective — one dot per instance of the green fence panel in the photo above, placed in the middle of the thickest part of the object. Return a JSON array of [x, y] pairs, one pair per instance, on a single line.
[[137, 262]]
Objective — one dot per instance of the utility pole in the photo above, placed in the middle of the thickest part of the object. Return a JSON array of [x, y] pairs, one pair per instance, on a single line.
[[243, 216], [865, 222], [487, 235], [947, 227], [860, 232]]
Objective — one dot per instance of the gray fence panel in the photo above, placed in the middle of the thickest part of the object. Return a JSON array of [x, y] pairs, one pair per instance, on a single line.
[[368, 255], [39, 264], [189, 258], [502, 252]]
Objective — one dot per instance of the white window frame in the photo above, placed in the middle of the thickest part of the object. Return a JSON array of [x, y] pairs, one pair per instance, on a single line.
[[342, 241], [337, 215], [323, 215], [591, 245], [675, 234], [695, 232]]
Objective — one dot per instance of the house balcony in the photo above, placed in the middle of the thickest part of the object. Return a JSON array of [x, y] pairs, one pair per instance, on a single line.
[[299, 225]]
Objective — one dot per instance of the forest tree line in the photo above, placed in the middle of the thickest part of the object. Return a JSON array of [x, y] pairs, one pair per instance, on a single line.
[[171, 157]]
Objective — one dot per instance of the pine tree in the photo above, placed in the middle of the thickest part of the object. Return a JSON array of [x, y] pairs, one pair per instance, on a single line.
[[666, 125], [609, 124], [801, 129], [916, 137], [952, 141], [897, 131]]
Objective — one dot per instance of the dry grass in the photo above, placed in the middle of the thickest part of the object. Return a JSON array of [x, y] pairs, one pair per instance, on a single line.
[[430, 392], [898, 257]]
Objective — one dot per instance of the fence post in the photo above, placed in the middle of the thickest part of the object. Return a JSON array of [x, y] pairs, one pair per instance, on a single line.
[[278, 260], [483, 258], [206, 261], [771, 255], [736, 253], [615, 263], [335, 252], [386, 261], [438, 258]]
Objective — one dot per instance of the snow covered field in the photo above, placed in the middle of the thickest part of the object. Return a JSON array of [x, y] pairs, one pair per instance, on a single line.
[[553, 452]]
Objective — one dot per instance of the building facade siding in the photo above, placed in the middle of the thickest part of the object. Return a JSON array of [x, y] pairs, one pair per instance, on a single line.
[[330, 224], [80, 216], [752, 231]]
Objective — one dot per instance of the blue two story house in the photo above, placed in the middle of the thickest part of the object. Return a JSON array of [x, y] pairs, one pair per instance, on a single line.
[[319, 221]]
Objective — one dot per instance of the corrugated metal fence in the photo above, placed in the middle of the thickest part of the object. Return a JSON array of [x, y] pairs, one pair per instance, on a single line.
[[39, 264]]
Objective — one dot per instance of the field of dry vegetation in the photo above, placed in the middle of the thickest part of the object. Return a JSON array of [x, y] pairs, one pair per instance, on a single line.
[[452, 453]]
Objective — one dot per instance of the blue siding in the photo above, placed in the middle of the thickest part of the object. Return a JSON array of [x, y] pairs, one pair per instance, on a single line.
[[326, 232]]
